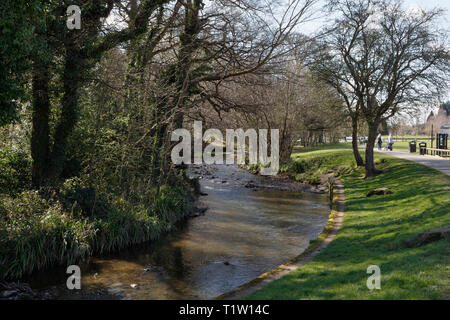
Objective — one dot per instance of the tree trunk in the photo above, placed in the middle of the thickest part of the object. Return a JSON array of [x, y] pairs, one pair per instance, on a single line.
[[180, 78], [356, 154], [40, 122], [69, 116], [370, 166]]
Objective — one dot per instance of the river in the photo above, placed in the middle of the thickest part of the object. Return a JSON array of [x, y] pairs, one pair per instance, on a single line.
[[253, 224]]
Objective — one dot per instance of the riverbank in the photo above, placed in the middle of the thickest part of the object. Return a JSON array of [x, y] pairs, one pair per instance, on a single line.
[[38, 231], [252, 224], [329, 232], [374, 232]]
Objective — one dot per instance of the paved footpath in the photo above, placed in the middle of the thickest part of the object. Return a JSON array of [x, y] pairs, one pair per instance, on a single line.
[[437, 163]]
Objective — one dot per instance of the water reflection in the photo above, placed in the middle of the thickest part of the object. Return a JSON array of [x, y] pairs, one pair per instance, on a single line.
[[243, 234]]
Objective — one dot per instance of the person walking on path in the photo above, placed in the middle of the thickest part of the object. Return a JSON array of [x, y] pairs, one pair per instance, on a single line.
[[379, 141], [390, 142]]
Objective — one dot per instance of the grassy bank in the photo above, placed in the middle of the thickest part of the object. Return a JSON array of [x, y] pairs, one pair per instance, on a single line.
[[373, 233], [65, 225]]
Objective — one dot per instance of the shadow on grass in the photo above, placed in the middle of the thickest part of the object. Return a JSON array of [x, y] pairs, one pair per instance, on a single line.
[[373, 233], [401, 275]]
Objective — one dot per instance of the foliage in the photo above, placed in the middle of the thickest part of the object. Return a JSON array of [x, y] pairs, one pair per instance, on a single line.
[[37, 232], [76, 196], [17, 23], [14, 171]]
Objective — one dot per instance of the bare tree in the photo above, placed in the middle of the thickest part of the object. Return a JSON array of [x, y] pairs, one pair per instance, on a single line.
[[195, 53], [289, 99], [211, 46], [381, 59]]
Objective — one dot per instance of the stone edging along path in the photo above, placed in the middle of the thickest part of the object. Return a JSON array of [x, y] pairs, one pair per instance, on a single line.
[[305, 257]]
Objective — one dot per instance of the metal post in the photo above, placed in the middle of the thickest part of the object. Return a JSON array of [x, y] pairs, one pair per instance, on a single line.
[[432, 134]]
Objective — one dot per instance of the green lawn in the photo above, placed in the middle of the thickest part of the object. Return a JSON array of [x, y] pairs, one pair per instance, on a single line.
[[409, 137], [403, 146], [373, 232]]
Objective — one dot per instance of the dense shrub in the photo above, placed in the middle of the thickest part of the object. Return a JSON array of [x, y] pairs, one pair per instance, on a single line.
[[25, 204], [37, 232], [170, 203], [294, 167], [81, 198], [121, 229], [31, 239], [15, 169]]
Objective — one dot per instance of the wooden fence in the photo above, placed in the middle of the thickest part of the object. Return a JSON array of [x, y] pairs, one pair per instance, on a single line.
[[435, 152]]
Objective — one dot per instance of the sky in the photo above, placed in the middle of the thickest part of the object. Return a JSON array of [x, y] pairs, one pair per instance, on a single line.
[[313, 26]]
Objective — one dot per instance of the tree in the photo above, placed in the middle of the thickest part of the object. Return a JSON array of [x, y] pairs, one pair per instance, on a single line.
[[382, 59], [78, 50], [16, 45], [175, 51], [289, 99], [209, 46]]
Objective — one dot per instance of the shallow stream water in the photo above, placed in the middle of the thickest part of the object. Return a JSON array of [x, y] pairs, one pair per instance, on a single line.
[[245, 232]]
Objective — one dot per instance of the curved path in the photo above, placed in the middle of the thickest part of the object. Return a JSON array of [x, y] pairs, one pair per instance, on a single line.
[[304, 258], [434, 162]]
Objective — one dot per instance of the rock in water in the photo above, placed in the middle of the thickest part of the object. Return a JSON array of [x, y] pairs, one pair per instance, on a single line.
[[198, 211], [379, 192], [202, 209], [115, 291], [8, 294], [429, 236], [151, 268], [250, 185]]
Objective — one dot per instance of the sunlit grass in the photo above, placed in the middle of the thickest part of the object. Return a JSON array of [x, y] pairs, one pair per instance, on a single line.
[[373, 232]]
